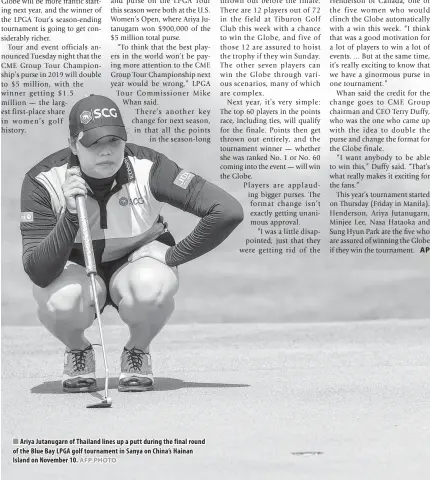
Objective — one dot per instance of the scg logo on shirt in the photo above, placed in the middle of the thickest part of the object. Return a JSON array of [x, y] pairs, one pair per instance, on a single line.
[[133, 201]]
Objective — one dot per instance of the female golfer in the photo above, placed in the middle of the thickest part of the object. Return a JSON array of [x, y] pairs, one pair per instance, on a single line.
[[126, 186]]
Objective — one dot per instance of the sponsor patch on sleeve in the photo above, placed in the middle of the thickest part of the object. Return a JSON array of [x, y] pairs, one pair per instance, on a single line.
[[183, 179], [27, 217]]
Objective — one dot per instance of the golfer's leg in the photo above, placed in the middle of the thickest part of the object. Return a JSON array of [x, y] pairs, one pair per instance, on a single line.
[[66, 306], [143, 291]]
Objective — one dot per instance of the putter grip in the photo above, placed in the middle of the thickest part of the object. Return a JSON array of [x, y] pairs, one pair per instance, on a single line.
[[87, 245]]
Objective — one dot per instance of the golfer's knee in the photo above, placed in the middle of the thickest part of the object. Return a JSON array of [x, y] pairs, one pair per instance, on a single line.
[[151, 288], [61, 304], [146, 295], [72, 302]]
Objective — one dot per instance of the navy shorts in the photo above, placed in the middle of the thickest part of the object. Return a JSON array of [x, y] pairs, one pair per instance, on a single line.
[[107, 270]]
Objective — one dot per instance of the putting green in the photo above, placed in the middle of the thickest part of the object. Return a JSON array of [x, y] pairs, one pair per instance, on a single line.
[[311, 401]]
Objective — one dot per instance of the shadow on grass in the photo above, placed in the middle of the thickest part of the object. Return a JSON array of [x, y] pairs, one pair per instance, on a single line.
[[162, 384]]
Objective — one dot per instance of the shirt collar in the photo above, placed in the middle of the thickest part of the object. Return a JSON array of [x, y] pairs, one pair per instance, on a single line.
[[125, 173]]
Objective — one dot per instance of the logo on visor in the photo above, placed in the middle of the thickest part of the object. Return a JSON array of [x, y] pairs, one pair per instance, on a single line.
[[105, 112], [86, 117]]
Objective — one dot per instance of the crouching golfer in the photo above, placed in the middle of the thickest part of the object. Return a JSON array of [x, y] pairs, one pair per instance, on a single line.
[[126, 186]]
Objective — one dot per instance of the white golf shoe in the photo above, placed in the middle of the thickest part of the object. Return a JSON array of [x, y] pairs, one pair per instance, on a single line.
[[79, 373], [136, 371]]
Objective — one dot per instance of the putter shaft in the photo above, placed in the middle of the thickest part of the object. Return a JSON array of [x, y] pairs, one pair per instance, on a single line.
[[96, 303], [91, 269]]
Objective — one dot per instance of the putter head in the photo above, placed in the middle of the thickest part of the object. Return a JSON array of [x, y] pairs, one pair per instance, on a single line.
[[105, 403]]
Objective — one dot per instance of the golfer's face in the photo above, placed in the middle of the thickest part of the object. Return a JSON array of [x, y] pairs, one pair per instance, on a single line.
[[103, 159]]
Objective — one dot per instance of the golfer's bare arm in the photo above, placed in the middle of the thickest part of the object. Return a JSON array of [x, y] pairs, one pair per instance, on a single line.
[[220, 213], [46, 241]]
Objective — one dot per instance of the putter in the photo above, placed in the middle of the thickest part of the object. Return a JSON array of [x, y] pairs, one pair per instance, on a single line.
[[90, 267]]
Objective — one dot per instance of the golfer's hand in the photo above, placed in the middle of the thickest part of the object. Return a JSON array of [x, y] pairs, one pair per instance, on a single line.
[[73, 185], [155, 250]]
